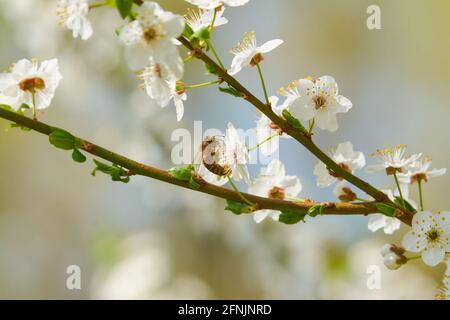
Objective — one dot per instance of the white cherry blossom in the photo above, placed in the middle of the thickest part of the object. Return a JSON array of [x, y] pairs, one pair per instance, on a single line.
[[161, 86], [213, 4], [203, 18], [318, 99], [429, 236], [389, 225], [393, 160], [153, 34], [273, 183], [30, 78], [265, 129], [73, 15], [231, 155], [348, 159], [236, 155], [248, 53], [419, 171]]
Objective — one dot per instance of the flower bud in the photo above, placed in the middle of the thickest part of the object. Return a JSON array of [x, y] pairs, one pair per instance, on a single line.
[[392, 261], [393, 257]]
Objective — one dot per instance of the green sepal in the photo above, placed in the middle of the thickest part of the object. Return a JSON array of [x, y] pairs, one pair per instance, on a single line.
[[288, 217]]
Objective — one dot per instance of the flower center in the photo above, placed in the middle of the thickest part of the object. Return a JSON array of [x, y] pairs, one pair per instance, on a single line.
[[150, 34], [32, 84], [276, 193], [432, 235], [419, 178], [320, 102], [157, 70]]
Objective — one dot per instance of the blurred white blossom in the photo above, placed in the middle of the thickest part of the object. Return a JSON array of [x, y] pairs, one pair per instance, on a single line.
[[393, 160], [213, 4], [153, 34], [348, 159], [267, 132], [30, 83], [248, 53], [73, 15], [419, 171], [273, 183], [204, 18]]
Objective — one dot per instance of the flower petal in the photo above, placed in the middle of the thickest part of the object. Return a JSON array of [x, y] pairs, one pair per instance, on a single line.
[[376, 222], [276, 170], [412, 243], [343, 104], [326, 120], [324, 179], [423, 222], [291, 185], [270, 45], [392, 225], [260, 215], [433, 254]]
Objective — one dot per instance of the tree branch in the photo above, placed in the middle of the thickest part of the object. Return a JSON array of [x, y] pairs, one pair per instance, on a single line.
[[301, 137], [137, 168]]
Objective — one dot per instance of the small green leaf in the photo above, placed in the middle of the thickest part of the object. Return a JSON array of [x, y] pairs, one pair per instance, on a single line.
[[408, 206], [230, 90], [385, 209], [118, 30], [288, 217], [116, 172], [181, 173], [193, 184], [124, 7], [238, 207], [77, 156], [293, 122], [62, 139], [187, 32], [315, 210], [15, 125], [209, 69], [20, 111]]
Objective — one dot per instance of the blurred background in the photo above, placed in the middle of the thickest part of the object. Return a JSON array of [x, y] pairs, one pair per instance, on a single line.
[[150, 240]]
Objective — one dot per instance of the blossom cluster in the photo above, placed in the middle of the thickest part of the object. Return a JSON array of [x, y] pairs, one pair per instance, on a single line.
[[150, 40]]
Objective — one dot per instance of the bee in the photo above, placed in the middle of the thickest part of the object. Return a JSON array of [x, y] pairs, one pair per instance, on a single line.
[[212, 156]]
